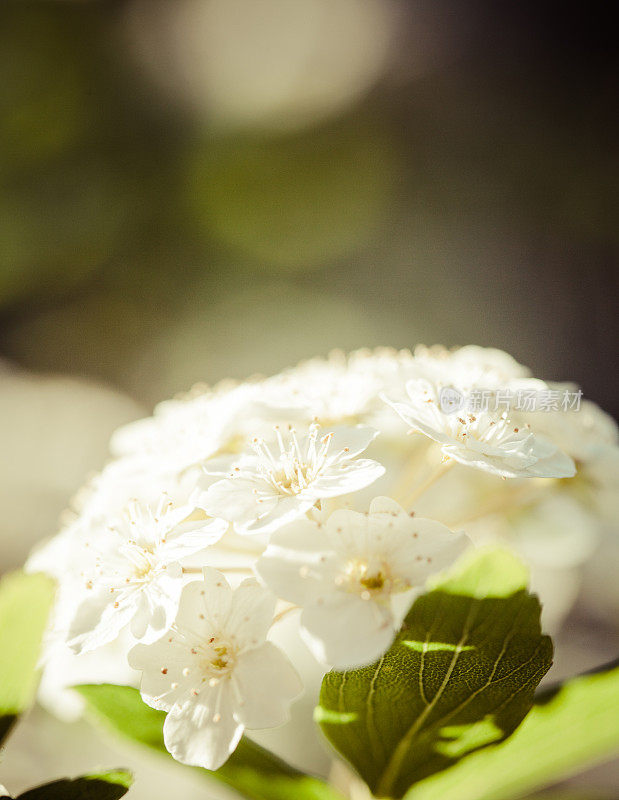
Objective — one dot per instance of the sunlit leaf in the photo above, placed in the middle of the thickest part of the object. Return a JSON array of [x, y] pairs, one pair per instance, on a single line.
[[251, 770], [460, 676], [568, 730], [25, 602]]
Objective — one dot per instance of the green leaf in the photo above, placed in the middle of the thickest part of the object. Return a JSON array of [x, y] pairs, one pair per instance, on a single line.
[[105, 786], [251, 770], [25, 602], [568, 730], [460, 676]]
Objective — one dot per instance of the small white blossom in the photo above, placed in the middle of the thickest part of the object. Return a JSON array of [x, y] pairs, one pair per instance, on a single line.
[[133, 575], [485, 440], [471, 367], [591, 438], [184, 432], [284, 479], [214, 672], [123, 480], [346, 574], [341, 389]]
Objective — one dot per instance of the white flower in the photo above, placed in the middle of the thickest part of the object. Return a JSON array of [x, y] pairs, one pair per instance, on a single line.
[[286, 478], [134, 477], [185, 432], [339, 390], [557, 532], [591, 438], [486, 440], [346, 573], [472, 367], [214, 672], [65, 557], [134, 574]]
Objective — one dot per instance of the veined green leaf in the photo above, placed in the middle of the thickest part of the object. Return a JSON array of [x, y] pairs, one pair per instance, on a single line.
[[104, 786], [251, 770], [460, 675], [25, 602], [568, 730]]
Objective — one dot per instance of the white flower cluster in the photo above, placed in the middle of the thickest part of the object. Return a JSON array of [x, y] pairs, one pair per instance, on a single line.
[[299, 494]]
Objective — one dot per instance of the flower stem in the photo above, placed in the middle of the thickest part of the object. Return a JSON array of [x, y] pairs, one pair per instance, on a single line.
[[285, 612], [432, 478], [513, 498], [411, 471]]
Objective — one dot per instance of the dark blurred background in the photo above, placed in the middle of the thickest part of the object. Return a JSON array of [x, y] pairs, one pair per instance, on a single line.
[[203, 188]]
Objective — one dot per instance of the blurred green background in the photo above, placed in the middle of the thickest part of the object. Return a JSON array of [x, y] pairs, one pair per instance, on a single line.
[[196, 189], [204, 188]]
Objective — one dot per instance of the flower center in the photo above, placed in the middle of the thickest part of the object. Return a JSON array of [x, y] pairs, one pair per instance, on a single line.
[[218, 658], [292, 478], [372, 579], [222, 659], [465, 428], [141, 572], [142, 559], [295, 467], [368, 581], [373, 582]]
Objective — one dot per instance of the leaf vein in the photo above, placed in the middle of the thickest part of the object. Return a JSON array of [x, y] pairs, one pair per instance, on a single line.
[[395, 762]]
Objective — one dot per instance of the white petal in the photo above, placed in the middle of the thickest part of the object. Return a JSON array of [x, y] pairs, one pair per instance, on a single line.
[[422, 413], [163, 683], [423, 548], [158, 606], [141, 618], [98, 622], [283, 510], [204, 732], [267, 683], [346, 631], [350, 441], [513, 464], [385, 505], [492, 464], [220, 465], [288, 566], [192, 537], [251, 614], [347, 478], [233, 499], [205, 604], [558, 465]]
